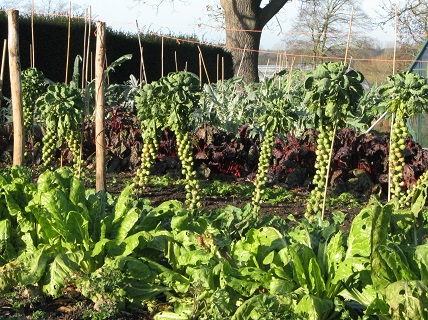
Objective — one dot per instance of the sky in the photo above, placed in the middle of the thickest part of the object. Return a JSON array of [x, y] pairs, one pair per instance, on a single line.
[[185, 16]]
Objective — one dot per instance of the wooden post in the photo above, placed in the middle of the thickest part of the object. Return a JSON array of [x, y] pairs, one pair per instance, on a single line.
[[99, 107], [15, 86], [3, 61]]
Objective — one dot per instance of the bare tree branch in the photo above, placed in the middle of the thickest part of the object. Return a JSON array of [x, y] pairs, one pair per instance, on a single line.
[[270, 10]]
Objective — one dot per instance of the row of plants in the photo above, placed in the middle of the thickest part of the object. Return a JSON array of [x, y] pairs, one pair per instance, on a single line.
[[330, 97], [121, 252]]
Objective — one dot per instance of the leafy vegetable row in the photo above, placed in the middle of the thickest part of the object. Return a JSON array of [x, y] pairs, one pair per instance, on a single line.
[[227, 264]]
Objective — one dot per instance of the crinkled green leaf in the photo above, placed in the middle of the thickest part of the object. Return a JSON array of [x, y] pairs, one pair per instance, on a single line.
[[382, 275], [359, 239], [407, 300], [313, 308], [316, 279], [77, 230], [62, 268], [421, 258]]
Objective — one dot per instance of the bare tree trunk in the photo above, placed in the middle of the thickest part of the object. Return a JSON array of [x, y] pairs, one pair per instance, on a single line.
[[99, 108], [243, 33], [16, 88], [245, 20]]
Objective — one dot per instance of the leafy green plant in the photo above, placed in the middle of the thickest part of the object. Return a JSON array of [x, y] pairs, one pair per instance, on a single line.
[[33, 86], [62, 111], [73, 233], [404, 94], [152, 113], [169, 103], [228, 104], [16, 226], [220, 188], [333, 92], [278, 115]]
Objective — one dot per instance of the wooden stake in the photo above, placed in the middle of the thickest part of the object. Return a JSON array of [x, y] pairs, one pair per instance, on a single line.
[[205, 67], [31, 56], [395, 39], [176, 63], [84, 51], [3, 60], [162, 57], [89, 44], [16, 87], [222, 69], [200, 70], [349, 34], [33, 59], [68, 44], [217, 68], [142, 67], [393, 115], [242, 59], [99, 107], [92, 65]]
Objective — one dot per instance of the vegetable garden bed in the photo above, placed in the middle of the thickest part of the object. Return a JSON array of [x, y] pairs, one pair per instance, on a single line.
[[314, 225]]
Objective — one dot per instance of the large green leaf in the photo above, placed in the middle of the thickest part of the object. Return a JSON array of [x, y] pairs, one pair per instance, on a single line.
[[421, 258], [407, 300], [7, 251], [167, 277], [314, 308], [350, 267], [77, 230], [335, 254], [264, 306], [62, 268], [123, 227], [316, 279], [27, 269], [34, 266], [359, 239], [257, 244], [382, 275]]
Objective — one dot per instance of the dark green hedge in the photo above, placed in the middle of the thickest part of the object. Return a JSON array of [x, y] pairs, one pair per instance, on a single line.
[[51, 35]]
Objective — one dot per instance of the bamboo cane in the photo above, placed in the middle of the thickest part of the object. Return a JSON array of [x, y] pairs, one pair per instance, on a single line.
[[3, 60], [88, 46], [393, 115], [349, 34], [84, 51], [217, 68], [142, 66], [162, 57], [204, 65], [200, 70], [33, 59], [68, 43]]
